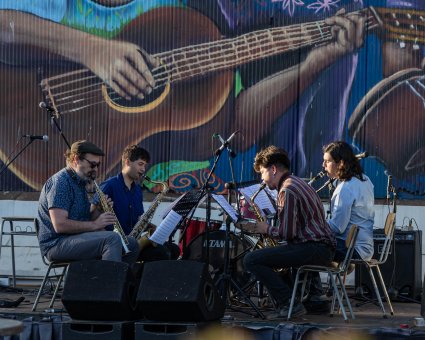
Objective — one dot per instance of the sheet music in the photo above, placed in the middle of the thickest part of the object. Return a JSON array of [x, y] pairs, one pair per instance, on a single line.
[[262, 200], [222, 202], [167, 226]]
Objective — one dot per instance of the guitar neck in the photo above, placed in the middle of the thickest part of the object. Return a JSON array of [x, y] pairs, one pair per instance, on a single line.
[[197, 60]]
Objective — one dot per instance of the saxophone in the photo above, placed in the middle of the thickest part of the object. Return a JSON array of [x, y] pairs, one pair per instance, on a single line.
[[141, 229], [266, 240], [107, 208]]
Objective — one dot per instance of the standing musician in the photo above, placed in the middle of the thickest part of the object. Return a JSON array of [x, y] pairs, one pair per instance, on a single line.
[[127, 195], [302, 225], [68, 229]]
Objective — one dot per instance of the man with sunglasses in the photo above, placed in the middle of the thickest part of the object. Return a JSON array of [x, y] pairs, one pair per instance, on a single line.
[[68, 228], [126, 192]]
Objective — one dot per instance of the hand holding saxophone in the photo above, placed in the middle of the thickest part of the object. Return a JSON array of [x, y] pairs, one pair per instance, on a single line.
[[103, 220], [255, 227]]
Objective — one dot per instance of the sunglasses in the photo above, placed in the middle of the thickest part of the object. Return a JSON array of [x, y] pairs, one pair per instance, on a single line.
[[92, 164]]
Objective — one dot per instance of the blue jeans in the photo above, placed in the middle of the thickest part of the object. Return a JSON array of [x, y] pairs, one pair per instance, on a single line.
[[262, 263]]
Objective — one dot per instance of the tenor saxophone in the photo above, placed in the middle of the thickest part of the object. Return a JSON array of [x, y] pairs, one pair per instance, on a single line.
[[107, 208], [141, 229], [266, 240]]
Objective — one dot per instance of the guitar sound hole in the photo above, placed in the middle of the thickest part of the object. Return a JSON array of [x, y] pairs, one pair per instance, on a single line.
[[135, 102]]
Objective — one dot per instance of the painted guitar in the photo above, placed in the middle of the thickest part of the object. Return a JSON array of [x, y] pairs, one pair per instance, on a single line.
[[193, 83]]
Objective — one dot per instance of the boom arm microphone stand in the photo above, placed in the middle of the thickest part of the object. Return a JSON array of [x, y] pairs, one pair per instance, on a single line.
[[53, 114], [6, 165], [226, 278]]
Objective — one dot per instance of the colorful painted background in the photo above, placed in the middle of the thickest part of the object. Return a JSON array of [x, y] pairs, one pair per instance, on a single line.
[[221, 72]]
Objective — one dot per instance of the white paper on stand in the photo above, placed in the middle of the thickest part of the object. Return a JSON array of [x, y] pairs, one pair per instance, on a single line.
[[262, 200], [222, 202], [167, 226]]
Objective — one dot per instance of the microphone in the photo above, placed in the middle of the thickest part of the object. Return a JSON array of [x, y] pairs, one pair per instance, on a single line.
[[44, 138], [362, 155], [389, 183], [49, 108], [225, 144]]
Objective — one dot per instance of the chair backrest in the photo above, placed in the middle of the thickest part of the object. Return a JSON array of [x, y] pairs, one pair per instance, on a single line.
[[37, 229], [350, 242], [389, 229]]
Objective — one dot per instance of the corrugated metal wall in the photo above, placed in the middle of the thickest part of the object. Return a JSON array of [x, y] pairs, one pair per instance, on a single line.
[[372, 98]]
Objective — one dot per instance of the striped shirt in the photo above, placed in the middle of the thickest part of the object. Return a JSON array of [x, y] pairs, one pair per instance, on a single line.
[[301, 214]]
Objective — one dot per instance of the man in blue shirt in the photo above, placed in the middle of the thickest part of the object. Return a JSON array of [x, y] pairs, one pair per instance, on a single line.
[[126, 193], [68, 228]]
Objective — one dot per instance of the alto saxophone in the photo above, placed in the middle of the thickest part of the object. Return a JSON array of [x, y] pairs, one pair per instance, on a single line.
[[107, 208], [141, 229], [266, 240]]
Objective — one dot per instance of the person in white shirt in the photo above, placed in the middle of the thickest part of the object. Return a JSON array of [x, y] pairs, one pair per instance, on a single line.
[[352, 201]]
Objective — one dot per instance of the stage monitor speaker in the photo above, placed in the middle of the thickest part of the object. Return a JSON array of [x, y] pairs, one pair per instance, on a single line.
[[100, 290], [178, 291], [402, 272]]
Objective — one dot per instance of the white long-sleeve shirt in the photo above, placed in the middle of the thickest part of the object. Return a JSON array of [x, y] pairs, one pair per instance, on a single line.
[[352, 203]]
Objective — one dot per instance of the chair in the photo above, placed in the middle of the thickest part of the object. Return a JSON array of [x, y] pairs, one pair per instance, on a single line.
[[375, 263], [333, 274], [52, 265]]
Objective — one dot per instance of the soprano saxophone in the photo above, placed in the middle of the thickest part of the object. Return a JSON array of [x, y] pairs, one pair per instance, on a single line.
[[107, 208], [141, 229], [266, 240]]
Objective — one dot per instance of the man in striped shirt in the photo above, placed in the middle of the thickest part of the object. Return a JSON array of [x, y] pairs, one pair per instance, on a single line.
[[302, 226]]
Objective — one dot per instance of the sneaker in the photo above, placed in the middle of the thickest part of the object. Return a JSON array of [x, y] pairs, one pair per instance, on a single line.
[[297, 310]]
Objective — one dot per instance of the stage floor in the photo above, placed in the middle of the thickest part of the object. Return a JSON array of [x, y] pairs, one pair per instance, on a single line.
[[368, 317]]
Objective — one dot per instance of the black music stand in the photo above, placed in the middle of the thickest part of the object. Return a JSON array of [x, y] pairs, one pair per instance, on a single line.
[[225, 277]]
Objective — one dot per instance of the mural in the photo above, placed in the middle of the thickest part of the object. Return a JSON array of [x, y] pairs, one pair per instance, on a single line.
[[172, 75]]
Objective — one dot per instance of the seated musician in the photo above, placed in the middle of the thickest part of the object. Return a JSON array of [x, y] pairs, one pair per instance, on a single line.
[[126, 192], [67, 228], [352, 202], [302, 225]]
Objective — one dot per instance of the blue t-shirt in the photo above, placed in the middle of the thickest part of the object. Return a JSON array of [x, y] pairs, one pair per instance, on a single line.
[[128, 204], [64, 190]]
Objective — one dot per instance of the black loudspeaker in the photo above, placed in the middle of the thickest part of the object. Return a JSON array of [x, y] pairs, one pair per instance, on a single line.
[[402, 272], [100, 290], [178, 291], [423, 300]]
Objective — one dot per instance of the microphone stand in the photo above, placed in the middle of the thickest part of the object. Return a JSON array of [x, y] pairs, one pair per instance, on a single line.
[[52, 117], [226, 277], [6, 165]]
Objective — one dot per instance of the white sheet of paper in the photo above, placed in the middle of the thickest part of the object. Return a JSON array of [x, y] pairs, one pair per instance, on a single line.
[[222, 202], [167, 226], [262, 200]]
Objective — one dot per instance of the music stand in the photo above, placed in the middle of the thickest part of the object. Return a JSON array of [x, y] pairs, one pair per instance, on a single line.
[[226, 277]]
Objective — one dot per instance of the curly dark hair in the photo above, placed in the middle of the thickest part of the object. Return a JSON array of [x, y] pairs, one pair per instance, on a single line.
[[350, 165], [272, 155]]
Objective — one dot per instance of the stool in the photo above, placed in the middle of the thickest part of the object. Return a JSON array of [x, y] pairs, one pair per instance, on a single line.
[[14, 231]]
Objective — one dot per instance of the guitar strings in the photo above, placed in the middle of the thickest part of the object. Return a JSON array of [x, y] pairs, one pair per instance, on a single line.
[[162, 73]]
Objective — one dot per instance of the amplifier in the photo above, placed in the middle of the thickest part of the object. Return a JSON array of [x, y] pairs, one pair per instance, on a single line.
[[402, 272]]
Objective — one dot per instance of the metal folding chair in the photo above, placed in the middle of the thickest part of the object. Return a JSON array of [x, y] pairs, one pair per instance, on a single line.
[[52, 265], [334, 274], [375, 263]]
